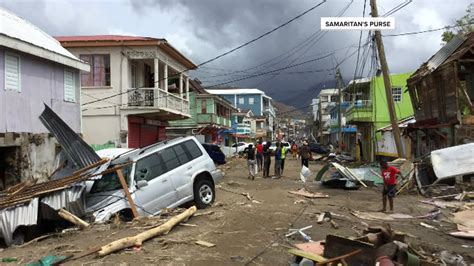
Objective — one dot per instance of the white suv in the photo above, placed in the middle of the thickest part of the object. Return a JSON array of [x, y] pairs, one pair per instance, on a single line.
[[162, 175]]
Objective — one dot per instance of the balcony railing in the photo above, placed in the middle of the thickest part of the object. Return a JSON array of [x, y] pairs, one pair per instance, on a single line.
[[150, 98], [361, 104]]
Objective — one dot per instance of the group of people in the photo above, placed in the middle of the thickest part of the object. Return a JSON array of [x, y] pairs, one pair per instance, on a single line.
[[259, 157]]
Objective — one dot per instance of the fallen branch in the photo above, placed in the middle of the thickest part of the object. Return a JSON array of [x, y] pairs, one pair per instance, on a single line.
[[247, 195], [137, 240], [73, 219]]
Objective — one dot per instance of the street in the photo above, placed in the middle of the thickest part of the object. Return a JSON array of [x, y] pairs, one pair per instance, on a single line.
[[251, 231]]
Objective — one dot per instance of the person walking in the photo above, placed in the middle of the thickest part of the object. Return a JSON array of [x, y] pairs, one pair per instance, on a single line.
[[251, 161], [284, 152], [260, 156], [267, 153], [278, 160], [305, 153], [294, 150]]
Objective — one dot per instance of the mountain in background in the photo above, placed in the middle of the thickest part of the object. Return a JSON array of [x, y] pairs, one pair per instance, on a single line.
[[299, 98], [287, 111]]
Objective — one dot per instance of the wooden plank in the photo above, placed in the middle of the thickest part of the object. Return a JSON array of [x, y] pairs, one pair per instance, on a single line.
[[73, 219], [321, 217], [339, 258], [306, 255], [127, 193]]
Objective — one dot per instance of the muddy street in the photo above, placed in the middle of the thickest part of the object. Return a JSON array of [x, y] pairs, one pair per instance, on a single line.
[[249, 231]]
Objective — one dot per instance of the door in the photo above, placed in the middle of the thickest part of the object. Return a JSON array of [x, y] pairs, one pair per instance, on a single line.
[[160, 192]]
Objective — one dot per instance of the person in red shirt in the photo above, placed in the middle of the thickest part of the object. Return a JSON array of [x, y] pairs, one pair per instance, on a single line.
[[389, 175], [260, 156]]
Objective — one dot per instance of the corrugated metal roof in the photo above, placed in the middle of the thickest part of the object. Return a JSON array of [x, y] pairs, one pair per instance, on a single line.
[[437, 59], [76, 149], [403, 123]]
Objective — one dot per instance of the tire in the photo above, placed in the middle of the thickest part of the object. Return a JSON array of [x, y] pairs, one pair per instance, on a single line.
[[204, 193]]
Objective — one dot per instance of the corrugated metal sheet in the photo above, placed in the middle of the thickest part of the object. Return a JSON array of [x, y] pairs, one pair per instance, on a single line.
[[11, 218], [77, 150], [72, 199], [437, 59]]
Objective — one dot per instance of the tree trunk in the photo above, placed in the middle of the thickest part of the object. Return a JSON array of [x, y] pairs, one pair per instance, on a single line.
[[137, 240], [73, 218]]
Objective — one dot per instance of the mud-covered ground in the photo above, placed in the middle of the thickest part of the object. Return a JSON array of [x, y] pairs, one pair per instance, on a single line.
[[245, 230]]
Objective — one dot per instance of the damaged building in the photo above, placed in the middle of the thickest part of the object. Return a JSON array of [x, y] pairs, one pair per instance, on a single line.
[[34, 70], [442, 92]]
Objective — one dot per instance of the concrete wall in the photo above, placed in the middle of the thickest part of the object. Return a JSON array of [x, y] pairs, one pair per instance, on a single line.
[[42, 82]]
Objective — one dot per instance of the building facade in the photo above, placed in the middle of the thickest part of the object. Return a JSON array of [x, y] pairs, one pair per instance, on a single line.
[[34, 71], [369, 112], [254, 100], [210, 117], [136, 85], [442, 90], [327, 99]]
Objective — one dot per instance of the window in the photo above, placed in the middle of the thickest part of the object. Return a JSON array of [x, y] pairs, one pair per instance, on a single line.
[[397, 94], [111, 181], [181, 154], [12, 72], [149, 167], [203, 107], [251, 100], [192, 149], [100, 70], [69, 86], [241, 100], [170, 159]]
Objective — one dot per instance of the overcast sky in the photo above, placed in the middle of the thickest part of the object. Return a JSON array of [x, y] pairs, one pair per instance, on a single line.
[[202, 29]]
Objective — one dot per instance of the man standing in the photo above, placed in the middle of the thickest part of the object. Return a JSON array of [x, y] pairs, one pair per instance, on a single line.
[[389, 174], [267, 153], [305, 153], [251, 161], [278, 160], [260, 155]]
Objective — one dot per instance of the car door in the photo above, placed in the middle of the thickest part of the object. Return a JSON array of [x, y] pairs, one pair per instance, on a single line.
[[187, 153], [160, 192]]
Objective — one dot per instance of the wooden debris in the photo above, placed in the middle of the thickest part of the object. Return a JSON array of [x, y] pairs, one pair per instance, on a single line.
[[321, 217], [73, 219], [203, 213], [334, 224], [188, 225], [428, 226], [138, 240], [303, 192], [307, 255], [127, 193], [341, 258], [205, 244]]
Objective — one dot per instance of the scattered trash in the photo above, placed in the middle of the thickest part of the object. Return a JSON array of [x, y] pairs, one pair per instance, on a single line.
[[305, 193], [300, 231], [393, 216], [237, 258], [48, 260], [428, 226], [301, 201], [304, 174], [9, 259], [205, 244], [451, 259]]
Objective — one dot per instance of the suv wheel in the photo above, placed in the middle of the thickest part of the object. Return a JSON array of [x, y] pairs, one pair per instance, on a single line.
[[204, 193]]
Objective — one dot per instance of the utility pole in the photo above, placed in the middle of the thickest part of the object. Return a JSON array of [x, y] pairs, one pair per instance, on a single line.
[[388, 87], [339, 103]]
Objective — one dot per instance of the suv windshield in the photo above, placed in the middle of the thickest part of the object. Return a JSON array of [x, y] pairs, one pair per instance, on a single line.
[[110, 181]]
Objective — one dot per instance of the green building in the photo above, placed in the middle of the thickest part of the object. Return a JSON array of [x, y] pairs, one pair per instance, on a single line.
[[210, 117], [368, 110]]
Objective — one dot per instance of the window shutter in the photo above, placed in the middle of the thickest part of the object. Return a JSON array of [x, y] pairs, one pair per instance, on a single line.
[[69, 88], [12, 72]]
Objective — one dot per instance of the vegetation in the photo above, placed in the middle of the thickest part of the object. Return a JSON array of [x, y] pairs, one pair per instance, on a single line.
[[462, 26]]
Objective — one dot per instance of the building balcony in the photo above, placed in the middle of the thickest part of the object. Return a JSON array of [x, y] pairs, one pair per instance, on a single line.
[[149, 100], [359, 111], [213, 119]]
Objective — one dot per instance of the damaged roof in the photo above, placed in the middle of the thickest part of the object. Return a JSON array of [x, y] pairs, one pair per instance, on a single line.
[[453, 50], [76, 149]]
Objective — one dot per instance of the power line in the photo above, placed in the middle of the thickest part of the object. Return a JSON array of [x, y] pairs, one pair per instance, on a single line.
[[426, 31], [221, 55], [397, 8]]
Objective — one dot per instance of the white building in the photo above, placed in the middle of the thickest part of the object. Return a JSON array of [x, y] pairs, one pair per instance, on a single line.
[[136, 84], [327, 99]]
